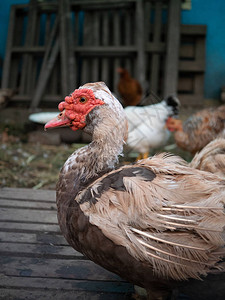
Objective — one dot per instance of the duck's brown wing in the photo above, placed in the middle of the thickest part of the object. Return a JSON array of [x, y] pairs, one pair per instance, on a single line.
[[165, 214]]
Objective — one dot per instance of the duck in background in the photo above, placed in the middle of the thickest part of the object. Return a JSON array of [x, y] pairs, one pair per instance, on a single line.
[[199, 129]]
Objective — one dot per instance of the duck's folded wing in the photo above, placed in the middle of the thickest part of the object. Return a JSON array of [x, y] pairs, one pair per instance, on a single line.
[[165, 214]]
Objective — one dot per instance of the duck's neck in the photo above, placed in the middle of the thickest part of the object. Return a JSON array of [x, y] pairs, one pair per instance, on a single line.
[[99, 157], [92, 160]]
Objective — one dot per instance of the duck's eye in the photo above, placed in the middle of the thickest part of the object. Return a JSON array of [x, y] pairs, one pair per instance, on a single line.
[[83, 100]]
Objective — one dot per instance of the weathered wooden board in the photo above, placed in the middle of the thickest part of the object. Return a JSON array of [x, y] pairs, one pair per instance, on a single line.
[[54, 268], [67, 284], [28, 194], [33, 238], [27, 204], [48, 63], [38, 250], [33, 227], [27, 215], [59, 294]]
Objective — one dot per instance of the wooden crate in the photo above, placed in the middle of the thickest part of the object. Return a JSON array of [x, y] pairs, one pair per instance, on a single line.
[[192, 65], [54, 47]]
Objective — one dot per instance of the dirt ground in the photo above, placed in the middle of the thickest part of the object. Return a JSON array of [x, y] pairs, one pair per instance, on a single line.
[[31, 165]]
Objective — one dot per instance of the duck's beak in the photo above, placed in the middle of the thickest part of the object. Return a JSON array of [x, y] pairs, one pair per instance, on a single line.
[[60, 121]]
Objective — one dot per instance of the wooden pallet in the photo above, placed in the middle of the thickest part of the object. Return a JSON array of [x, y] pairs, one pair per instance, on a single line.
[[37, 262], [53, 48]]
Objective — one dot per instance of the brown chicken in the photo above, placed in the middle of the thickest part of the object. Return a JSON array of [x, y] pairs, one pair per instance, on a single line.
[[129, 88], [199, 129], [154, 222], [211, 158]]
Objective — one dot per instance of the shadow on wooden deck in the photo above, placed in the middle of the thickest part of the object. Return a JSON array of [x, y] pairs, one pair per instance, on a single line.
[[36, 261]]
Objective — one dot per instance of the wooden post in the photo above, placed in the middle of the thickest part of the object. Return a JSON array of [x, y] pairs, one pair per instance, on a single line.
[[7, 60], [173, 42], [50, 56], [155, 67], [66, 48], [105, 42], [116, 42], [27, 57], [140, 35], [96, 39]]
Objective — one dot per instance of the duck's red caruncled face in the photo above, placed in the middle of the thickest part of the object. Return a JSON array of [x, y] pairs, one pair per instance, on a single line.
[[75, 109]]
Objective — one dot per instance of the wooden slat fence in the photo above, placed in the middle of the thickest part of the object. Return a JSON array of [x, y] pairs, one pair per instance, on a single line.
[[54, 47]]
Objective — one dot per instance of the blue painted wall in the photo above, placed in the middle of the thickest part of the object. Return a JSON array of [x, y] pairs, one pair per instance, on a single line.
[[4, 21], [208, 12], [211, 13]]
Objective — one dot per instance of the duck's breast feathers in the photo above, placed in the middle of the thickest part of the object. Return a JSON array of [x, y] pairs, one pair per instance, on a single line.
[[166, 214]]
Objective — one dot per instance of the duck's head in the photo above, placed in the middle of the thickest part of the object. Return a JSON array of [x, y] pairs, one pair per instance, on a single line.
[[77, 107]]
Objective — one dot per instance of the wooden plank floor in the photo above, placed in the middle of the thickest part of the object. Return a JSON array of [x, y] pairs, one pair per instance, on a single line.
[[36, 261]]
